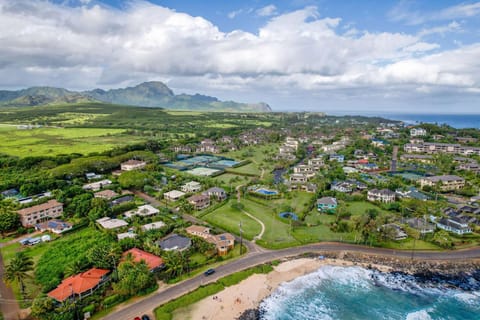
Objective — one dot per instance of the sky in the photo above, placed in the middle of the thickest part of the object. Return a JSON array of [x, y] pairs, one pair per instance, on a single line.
[[297, 55]]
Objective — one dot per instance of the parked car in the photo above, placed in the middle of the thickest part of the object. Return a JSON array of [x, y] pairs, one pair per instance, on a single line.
[[145, 317], [209, 272]]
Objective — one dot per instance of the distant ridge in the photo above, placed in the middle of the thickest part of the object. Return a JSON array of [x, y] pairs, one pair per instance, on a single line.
[[153, 94]]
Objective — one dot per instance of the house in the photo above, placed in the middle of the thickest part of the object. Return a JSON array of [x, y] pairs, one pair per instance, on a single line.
[[153, 226], [337, 157], [418, 132], [217, 193], [10, 193], [132, 165], [173, 195], [302, 168], [298, 178], [191, 187], [421, 225], [199, 201], [55, 226], [327, 204], [394, 231], [95, 186], [309, 187], [445, 182], [153, 262], [223, 242], [143, 211], [42, 212], [109, 223], [349, 170], [80, 285], [412, 193], [199, 231], [454, 225], [126, 235], [121, 200], [105, 194], [471, 166], [92, 176], [174, 242], [379, 143], [424, 158], [316, 163], [384, 195], [342, 186]]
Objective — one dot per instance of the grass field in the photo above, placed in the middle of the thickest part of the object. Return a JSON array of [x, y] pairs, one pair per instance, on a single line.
[[229, 219], [258, 155], [225, 179], [54, 141]]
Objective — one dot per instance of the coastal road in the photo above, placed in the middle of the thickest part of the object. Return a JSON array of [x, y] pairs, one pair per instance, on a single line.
[[147, 304]]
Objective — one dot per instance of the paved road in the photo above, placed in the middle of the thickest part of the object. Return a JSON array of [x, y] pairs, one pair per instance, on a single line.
[[148, 304]]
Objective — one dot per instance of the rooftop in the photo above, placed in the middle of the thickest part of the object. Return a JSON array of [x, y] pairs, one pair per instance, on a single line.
[[78, 284], [41, 207], [152, 261]]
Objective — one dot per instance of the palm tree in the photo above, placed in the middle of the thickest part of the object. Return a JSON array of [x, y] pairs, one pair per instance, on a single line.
[[17, 270], [74, 268]]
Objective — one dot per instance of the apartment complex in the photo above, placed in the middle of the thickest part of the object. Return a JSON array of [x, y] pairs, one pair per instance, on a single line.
[[433, 147], [39, 213], [445, 183]]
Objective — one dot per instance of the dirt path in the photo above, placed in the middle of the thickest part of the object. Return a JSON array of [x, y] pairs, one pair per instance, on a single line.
[[8, 302], [260, 235]]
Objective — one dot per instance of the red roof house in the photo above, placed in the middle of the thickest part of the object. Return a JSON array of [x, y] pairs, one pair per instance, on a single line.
[[80, 285], [153, 262]]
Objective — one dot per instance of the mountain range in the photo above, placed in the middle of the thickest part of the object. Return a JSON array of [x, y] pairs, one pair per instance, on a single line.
[[153, 94]]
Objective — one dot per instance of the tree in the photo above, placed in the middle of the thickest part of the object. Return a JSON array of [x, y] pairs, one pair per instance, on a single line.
[[175, 263], [104, 255], [134, 179], [80, 205], [133, 277], [9, 219], [17, 270]]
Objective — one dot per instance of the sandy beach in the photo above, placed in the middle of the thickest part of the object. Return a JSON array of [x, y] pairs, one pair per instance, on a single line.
[[233, 301]]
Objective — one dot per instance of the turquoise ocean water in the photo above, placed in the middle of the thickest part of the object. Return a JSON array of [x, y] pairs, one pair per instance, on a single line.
[[350, 293]]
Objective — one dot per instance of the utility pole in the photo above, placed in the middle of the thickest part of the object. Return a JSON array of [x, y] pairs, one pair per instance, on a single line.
[[241, 239]]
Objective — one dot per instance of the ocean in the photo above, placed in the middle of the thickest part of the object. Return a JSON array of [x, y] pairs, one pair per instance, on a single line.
[[355, 293], [458, 121]]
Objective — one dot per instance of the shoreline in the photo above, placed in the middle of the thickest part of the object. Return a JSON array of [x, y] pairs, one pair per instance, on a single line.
[[241, 301]]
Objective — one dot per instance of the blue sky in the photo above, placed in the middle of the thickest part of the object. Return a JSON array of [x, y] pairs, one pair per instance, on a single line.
[[412, 56]]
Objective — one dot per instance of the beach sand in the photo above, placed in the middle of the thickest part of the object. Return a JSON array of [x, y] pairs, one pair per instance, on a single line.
[[233, 301]]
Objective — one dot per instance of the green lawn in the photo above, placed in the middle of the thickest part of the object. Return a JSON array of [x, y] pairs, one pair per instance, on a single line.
[[251, 168], [259, 157], [54, 141], [297, 200], [359, 207], [229, 219], [225, 179]]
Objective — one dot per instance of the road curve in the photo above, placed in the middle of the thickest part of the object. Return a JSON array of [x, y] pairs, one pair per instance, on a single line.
[[252, 259]]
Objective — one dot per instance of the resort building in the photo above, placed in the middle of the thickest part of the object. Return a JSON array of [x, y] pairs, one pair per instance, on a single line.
[[39, 213], [384, 195], [80, 285], [445, 183], [133, 165]]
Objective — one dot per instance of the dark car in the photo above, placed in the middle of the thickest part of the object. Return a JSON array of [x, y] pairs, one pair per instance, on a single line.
[[209, 272], [145, 317]]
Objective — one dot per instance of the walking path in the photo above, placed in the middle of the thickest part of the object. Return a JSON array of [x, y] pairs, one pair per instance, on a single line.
[[260, 235]]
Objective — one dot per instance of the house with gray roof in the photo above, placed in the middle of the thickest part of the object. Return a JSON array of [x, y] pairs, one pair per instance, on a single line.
[[174, 242]]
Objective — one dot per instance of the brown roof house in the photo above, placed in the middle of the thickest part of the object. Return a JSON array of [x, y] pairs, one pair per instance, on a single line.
[[223, 242], [199, 201], [39, 213]]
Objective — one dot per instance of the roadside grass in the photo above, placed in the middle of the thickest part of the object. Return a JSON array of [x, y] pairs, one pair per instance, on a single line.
[[167, 310], [229, 218]]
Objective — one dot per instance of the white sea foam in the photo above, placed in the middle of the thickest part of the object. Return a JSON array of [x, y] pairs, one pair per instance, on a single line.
[[418, 315]]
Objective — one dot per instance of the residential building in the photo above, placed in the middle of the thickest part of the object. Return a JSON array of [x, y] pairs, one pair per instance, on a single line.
[[309, 171], [223, 242], [124, 199], [435, 147], [337, 157], [412, 193], [153, 262], [393, 231], [342, 186], [384, 195], [418, 132], [298, 178], [199, 201], [80, 285], [126, 235], [316, 163], [105, 194], [471, 166], [327, 204], [173, 195], [445, 182], [153, 226], [191, 187], [39, 213], [421, 225], [133, 165], [454, 225], [109, 223], [424, 158], [55, 226], [95, 186], [174, 242], [217, 193], [143, 211]]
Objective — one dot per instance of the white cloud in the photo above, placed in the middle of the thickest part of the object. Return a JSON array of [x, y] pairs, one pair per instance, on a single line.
[[267, 11], [234, 14], [403, 12], [442, 30], [295, 54]]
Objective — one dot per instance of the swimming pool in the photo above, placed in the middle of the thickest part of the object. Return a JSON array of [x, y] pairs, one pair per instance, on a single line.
[[266, 192], [288, 215]]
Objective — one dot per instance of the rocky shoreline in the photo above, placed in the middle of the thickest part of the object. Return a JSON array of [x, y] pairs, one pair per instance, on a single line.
[[462, 275]]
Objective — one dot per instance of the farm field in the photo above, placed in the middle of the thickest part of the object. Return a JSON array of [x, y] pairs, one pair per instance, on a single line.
[[54, 141]]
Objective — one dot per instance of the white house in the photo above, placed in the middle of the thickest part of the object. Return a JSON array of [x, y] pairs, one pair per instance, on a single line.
[[144, 211], [418, 132], [191, 186], [132, 165], [95, 186], [454, 225], [173, 195], [109, 223]]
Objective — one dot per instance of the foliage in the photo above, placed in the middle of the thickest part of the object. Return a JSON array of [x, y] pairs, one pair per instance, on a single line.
[[104, 255], [18, 268], [9, 219], [134, 179], [133, 277]]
